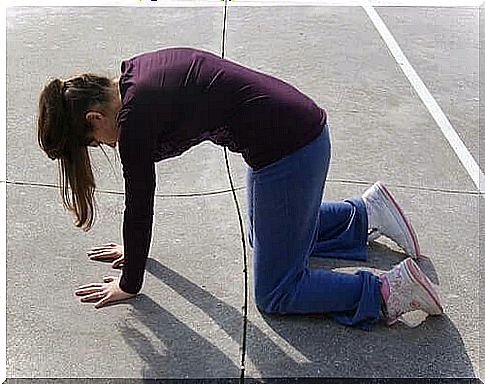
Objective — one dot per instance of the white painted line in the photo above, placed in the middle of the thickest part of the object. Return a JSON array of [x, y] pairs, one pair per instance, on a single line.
[[3, 282], [3, 202], [243, 3], [429, 101], [425, 3]]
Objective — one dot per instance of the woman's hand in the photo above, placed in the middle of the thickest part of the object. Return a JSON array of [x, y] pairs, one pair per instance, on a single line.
[[107, 291], [109, 251]]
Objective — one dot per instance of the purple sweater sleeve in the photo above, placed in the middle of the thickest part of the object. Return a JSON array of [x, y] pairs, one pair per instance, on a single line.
[[135, 146]]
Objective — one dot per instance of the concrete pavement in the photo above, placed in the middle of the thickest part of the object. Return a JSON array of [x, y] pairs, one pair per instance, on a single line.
[[186, 322]]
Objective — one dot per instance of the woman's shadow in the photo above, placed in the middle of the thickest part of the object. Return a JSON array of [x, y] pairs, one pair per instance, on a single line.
[[186, 353], [434, 349]]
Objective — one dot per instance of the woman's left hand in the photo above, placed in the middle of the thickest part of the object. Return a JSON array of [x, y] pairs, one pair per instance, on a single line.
[[107, 291]]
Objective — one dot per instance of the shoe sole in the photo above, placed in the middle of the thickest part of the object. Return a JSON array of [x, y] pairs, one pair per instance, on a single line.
[[409, 228], [419, 277], [373, 235]]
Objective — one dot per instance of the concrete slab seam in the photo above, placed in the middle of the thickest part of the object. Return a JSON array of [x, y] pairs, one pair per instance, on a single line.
[[429, 101], [362, 183]]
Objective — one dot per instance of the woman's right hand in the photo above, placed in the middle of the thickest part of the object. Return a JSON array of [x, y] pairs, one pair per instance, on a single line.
[[109, 251]]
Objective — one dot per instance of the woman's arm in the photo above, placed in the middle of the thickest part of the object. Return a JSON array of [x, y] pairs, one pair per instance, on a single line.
[[135, 146]]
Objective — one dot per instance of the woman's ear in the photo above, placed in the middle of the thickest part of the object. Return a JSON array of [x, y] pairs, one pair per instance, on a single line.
[[95, 119]]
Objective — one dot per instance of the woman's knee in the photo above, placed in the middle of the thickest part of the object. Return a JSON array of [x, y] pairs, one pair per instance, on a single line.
[[265, 306], [279, 296], [270, 302]]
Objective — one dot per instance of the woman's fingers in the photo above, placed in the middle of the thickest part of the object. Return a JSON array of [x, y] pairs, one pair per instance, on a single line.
[[104, 247], [94, 296], [103, 301], [92, 285], [104, 292], [85, 291], [105, 252], [119, 262], [103, 255], [100, 249]]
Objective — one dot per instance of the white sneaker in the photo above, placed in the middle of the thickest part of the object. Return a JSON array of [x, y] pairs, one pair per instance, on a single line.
[[406, 288], [386, 218]]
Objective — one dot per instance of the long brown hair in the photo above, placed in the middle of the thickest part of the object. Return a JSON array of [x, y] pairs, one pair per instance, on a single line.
[[62, 132]]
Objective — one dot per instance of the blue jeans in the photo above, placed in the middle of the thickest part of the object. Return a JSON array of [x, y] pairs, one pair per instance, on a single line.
[[288, 222]]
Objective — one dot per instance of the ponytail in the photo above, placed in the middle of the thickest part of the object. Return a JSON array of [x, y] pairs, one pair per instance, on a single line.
[[61, 133]]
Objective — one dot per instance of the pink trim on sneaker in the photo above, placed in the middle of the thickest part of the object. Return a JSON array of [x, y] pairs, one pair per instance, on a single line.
[[408, 225], [425, 283]]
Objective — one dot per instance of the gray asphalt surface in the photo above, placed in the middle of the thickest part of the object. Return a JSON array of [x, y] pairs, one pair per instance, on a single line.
[[186, 322]]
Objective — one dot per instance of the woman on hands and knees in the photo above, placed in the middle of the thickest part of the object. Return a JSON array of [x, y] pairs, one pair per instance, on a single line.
[[170, 100]]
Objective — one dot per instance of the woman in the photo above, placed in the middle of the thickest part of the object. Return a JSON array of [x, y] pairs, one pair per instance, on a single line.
[[170, 100]]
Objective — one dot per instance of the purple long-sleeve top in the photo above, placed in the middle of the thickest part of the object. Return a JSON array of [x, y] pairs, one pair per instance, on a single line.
[[175, 98]]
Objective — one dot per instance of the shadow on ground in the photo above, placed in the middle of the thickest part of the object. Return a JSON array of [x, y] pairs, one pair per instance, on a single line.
[[434, 349], [381, 258]]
